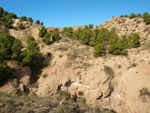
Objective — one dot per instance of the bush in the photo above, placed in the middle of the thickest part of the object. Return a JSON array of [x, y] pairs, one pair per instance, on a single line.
[[16, 50], [55, 35], [99, 50], [46, 38], [3, 18], [63, 109], [8, 24], [6, 43], [4, 72], [41, 23], [30, 19], [132, 15], [10, 16], [136, 40], [146, 18], [42, 31], [91, 26], [139, 15], [81, 100], [21, 26], [31, 54], [37, 21], [64, 94], [23, 18]]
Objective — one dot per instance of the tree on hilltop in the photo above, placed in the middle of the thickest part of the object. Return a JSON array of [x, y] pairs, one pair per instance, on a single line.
[[132, 15], [30, 19], [37, 21], [146, 18], [139, 15], [23, 18]]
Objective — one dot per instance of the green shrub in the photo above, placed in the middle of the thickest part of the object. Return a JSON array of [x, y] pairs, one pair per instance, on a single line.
[[8, 24], [31, 54], [132, 15], [99, 50], [10, 16], [146, 18], [136, 40], [23, 18], [3, 18], [63, 109], [30, 19], [64, 94], [41, 23], [47, 38], [81, 100], [139, 15], [37, 21], [55, 35], [6, 43], [16, 50], [5, 72], [42, 31], [126, 16], [21, 26], [91, 26]]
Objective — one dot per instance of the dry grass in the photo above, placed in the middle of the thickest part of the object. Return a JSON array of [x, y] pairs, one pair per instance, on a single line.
[[34, 104]]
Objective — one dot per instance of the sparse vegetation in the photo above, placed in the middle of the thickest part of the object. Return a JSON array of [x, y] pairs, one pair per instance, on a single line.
[[30, 19], [144, 94], [132, 15], [21, 26], [23, 18], [35, 104], [108, 70], [145, 16]]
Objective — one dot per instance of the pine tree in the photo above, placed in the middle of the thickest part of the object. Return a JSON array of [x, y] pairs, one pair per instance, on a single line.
[[99, 50], [42, 31], [46, 38], [31, 54], [55, 34], [16, 50]]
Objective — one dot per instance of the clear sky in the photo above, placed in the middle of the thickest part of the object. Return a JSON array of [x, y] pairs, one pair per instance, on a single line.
[[65, 13]]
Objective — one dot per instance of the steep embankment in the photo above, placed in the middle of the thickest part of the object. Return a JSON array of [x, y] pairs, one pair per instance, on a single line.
[[120, 83]]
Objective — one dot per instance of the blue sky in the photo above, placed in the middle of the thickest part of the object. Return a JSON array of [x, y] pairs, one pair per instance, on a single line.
[[65, 13]]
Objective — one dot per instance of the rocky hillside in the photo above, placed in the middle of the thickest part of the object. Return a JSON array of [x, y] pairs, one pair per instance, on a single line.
[[119, 83], [126, 26]]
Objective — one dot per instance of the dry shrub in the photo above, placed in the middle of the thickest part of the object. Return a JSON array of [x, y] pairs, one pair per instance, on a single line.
[[108, 70]]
